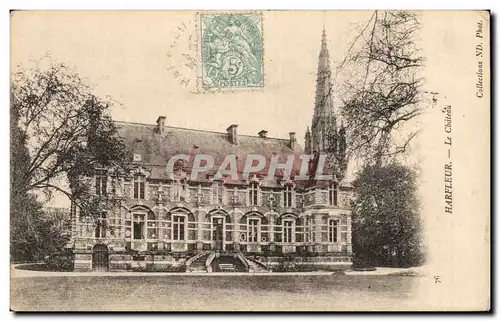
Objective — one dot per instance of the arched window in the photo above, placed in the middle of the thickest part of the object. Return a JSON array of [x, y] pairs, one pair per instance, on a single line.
[[253, 229], [182, 227], [288, 230], [333, 194], [152, 226], [179, 227], [139, 226], [253, 193], [144, 229]]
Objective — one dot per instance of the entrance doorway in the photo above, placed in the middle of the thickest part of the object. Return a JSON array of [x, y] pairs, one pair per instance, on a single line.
[[100, 258], [218, 233]]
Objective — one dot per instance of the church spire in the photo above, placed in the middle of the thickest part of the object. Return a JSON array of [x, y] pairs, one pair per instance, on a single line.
[[308, 142], [324, 123]]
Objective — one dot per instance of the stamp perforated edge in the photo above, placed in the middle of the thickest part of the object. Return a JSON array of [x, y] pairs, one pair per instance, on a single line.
[[199, 68]]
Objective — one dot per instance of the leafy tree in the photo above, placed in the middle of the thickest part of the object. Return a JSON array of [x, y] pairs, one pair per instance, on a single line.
[[32, 234], [386, 217], [66, 131], [60, 133]]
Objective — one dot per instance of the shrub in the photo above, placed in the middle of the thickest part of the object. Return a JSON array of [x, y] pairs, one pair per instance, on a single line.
[[63, 261]]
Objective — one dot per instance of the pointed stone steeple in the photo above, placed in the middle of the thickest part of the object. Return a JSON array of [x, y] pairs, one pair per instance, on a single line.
[[324, 125], [308, 142], [340, 155]]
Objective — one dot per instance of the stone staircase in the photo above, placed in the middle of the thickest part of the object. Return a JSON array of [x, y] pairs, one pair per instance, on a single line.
[[256, 266], [212, 261], [197, 263], [227, 262]]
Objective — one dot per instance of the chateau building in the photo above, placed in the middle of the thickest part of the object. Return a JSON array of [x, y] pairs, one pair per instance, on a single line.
[[156, 221]]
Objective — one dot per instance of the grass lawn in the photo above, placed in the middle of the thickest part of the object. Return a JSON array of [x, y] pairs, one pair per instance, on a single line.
[[210, 293]]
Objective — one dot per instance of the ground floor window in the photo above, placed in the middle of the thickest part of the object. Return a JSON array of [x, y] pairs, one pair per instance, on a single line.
[[310, 235], [217, 228], [253, 230], [288, 231], [333, 231], [179, 228], [139, 226]]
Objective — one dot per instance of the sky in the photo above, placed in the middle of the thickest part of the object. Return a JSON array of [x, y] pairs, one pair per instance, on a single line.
[[130, 57]]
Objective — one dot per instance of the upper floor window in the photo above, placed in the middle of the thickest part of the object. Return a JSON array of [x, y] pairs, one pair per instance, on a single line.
[[287, 196], [288, 231], [179, 228], [100, 227], [101, 183], [139, 186], [333, 194], [218, 193], [254, 189], [333, 231]]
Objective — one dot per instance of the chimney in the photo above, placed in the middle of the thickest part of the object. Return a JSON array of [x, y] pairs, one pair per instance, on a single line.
[[233, 134], [160, 124], [262, 133], [292, 140]]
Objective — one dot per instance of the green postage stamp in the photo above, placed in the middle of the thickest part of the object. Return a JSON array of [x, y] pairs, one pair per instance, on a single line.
[[232, 52]]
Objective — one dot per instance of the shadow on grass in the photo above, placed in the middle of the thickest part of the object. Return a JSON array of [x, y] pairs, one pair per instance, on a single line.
[[36, 267]]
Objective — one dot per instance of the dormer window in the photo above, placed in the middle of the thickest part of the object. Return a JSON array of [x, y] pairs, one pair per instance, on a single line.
[[101, 183], [139, 187], [253, 193], [287, 199], [333, 194]]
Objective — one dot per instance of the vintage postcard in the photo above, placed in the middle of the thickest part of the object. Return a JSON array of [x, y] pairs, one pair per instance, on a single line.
[[250, 161]]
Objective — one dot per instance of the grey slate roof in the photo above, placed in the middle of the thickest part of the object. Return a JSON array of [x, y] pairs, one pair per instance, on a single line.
[[156, 149]]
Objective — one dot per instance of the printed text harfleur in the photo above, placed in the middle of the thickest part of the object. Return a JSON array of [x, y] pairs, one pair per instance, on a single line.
[[448, 187]]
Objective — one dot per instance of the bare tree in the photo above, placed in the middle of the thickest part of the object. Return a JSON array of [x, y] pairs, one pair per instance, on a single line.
[[383, 88]]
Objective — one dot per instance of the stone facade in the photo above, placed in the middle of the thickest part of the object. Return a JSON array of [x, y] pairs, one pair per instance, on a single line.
[[168, 226], [155, 221]]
